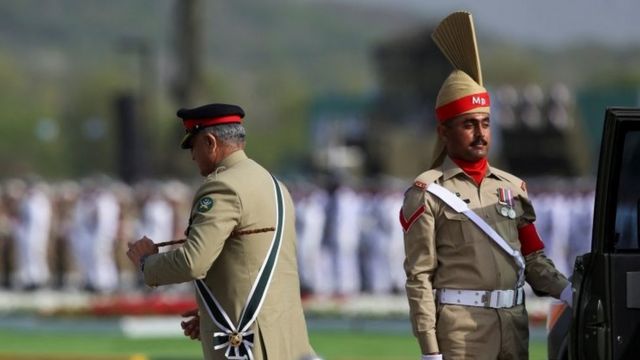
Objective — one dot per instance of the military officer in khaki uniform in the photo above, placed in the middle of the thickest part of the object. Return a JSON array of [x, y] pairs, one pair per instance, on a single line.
[[240, 247], [464, 283]]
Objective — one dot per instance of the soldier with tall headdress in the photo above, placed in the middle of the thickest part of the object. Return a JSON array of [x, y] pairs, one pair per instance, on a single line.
[[469, 232]]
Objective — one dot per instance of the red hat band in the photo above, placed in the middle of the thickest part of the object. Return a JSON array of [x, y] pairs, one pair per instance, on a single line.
[[191, 124], [462, 105]]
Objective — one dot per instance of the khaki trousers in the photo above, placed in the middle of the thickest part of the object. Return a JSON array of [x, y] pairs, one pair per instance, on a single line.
[[466, 332]]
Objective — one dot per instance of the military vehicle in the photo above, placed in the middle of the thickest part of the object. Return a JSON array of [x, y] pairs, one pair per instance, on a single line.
[[604, 321]]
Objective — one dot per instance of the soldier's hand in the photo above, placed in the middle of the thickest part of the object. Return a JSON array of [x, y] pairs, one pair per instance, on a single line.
[[191, 327], [567, 295], [141, 248]]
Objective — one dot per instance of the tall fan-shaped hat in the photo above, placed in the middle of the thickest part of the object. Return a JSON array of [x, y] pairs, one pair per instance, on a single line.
[[462, 92]]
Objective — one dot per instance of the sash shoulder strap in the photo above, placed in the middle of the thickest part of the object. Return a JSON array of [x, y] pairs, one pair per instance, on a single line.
[[237, 340], [461, 207]]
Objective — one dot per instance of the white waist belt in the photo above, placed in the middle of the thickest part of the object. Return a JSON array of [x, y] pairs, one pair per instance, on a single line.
[[496, 299]]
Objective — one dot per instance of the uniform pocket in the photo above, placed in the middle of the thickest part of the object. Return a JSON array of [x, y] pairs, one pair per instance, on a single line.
[[455, 216], [456, 228]]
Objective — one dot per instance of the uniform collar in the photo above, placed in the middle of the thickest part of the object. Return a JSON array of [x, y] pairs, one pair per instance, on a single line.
[[491, 172], [231, 160], [451, 169]]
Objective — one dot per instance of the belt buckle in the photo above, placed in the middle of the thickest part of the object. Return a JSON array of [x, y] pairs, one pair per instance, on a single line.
[[498, 296], [486, 298], [500, 299]]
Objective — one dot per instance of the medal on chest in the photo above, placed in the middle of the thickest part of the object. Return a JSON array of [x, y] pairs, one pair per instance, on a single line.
[[505, 199]]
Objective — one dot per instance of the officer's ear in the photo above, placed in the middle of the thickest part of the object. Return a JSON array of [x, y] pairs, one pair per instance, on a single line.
[[210, 141]]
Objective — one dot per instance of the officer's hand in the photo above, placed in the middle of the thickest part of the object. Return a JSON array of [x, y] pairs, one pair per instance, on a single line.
[[141, 248], [191, 327]]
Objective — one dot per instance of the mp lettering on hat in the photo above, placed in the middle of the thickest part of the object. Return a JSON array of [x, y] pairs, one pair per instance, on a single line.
[[478, 100], [463, 105]]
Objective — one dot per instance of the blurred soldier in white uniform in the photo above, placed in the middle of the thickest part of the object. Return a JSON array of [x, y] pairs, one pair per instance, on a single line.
[[310, 215], [63, 199], [32, 237], [395, 242], [155, 220], [341, 241], [95, 223], [156, 217], [375, 242]]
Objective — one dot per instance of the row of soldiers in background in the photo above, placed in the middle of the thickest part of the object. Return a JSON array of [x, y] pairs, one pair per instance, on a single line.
[[349, 239], [74, 235]]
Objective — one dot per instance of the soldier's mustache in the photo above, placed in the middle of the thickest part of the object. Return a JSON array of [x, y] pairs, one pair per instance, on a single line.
[[479, 141]]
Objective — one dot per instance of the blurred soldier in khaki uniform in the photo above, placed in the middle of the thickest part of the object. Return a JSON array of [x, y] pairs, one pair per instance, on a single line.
[[470, 240], [240, 248]]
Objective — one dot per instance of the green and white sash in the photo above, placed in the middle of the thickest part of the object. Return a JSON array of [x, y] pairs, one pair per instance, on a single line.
[[238, 340]]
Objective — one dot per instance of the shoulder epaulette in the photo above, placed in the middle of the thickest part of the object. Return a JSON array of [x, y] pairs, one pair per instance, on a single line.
[[510, 178], [423, 180]]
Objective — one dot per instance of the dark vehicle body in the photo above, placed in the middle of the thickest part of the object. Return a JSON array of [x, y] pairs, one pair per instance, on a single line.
[[604, 322]]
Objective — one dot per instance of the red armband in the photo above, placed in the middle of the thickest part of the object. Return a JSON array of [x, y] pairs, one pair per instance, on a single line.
[[529, 239]]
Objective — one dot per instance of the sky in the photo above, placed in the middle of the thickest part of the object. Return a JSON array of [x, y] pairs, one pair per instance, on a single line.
[[539, 22]]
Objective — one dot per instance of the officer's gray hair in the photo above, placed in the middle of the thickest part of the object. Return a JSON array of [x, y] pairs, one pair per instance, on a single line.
[[228, 133]]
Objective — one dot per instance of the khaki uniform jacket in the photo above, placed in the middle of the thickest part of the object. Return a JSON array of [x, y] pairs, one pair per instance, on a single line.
[[242, 198], [444, 249]]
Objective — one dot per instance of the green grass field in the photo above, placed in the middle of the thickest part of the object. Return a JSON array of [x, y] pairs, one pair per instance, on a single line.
[[334, 345]]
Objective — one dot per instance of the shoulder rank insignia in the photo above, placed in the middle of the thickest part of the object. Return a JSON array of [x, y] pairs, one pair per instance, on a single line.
[[420, 185], [205, 204]]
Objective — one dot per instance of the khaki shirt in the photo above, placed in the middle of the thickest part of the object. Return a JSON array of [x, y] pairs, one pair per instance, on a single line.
[[444, 249], [239, 196]]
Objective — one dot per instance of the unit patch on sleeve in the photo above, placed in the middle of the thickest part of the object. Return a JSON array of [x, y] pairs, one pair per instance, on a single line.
[[205, 204]]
